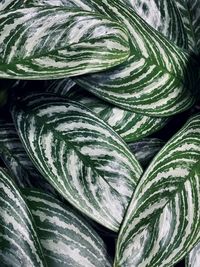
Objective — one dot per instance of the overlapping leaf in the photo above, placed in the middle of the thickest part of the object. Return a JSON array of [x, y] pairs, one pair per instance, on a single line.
[[190, 10], [158, 77], [38, 43], [17, 161], [80, 155], [19, 243], [193, 259], [145, 149], [162, 223], [163, 16], [129, 125], [66, 238]]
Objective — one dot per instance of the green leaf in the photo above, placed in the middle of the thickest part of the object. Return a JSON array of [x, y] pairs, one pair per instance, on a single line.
[[9, 4], [67, 239], [80, 155], [156, 80], [190, 10], [162, 223], [38, 43], [129, 125], [17, 161], [145, 149], [19, 244], [163, 16], [193, 258]]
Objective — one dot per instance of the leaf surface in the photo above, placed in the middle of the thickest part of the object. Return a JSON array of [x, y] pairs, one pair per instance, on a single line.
[[164, 17], [158, 77], [190, 10], [66, 237], [19, 244], [145, 149], [52, 42], [80, 155], [162, 223], [193, 258], [129, 125]]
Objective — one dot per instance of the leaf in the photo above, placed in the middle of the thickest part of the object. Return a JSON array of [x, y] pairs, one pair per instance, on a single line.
[[80, 155], [67, 239], [145, 149], [19, 244], [9, 4], [156, 80], [85, 42], [193, 258], [164, 17], [162, 223], [129, 125], [17, 161], [190, 10]]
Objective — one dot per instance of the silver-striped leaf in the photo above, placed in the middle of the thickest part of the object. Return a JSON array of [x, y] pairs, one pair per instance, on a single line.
[[193, 258], [162, 223], [129, 125], [19, 243], [66, 237], [157, 79], [17, 161], [161, 15], [190, 11], [9, 4], [80, 155], [52, 42], [145, 149], [164, 17]]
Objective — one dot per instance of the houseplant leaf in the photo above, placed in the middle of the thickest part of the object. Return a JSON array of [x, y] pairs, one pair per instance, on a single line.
[[66, 237], [190, 10], [129, 125], [162, 223], [147, 82], [17, 161], [164, 17], [157, 79], [193, 258], [19, 244], [145, 149], [85, 42], [80, 155]]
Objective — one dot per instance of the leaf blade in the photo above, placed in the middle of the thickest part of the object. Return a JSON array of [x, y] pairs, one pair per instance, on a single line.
[[17, 229], [83, 172], [29, 49], [164, 211]]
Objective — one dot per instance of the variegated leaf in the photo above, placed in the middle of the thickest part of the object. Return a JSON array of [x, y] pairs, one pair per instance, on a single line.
[[190, 11], [38, 43], [129, 125], [146, 149], [161, 15], [157, 79], [193, 258], [67, 239], [80, 155], [164, 17], [8, 4], [162, 223], [17, 161], [19, 244]]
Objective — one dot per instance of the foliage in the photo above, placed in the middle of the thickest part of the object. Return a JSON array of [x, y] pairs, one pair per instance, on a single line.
[[99, 133]]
